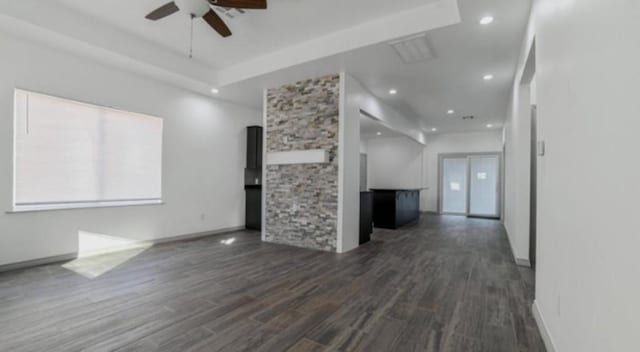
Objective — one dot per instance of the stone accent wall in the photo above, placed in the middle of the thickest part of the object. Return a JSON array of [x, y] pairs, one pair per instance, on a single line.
[[302, 199]]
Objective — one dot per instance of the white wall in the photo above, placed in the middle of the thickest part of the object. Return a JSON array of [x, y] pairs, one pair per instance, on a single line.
[[472, 142], [587, 285], [349, 166], [364, 146], [517, 140], [362, 99], [203, 161], [395, 162], [354, 97], [400, 162]]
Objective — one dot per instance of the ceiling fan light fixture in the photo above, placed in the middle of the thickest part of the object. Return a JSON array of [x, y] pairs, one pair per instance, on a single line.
[[202, 9], [195, 8]]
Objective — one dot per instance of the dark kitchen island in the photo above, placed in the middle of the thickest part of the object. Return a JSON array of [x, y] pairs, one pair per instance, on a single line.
[[394, 208]]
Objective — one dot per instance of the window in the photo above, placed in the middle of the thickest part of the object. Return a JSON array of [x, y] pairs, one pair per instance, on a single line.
[[70, 154]]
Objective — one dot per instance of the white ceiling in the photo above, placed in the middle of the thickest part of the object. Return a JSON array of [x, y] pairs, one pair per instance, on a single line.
[[370, 129], [464, 53], [297, 39], [288, 33], [284, 23], [427, 90]]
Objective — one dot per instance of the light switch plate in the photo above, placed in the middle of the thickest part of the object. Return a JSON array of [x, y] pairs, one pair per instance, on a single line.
[[540, 148]]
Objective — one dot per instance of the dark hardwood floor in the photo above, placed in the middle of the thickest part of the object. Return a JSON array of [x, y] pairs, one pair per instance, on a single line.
[[445, 284]]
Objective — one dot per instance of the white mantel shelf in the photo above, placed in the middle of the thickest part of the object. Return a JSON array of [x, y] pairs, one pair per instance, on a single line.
[[311, 156]]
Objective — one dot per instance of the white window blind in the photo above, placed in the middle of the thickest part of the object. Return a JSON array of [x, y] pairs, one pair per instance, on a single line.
[[71, 154]]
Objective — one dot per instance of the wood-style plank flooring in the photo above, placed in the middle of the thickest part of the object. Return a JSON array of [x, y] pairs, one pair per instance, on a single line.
[[444, 284]]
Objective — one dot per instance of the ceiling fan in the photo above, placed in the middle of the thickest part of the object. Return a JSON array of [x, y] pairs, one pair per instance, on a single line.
[[202, 8]]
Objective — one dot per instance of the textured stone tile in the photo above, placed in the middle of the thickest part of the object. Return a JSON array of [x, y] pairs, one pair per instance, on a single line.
[[302, 199]]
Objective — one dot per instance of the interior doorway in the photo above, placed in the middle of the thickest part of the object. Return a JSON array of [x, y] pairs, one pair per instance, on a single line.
[[470, 184]]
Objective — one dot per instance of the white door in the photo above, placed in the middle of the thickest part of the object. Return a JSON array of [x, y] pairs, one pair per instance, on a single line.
[[470, 185], [454, 185], [484, 181]]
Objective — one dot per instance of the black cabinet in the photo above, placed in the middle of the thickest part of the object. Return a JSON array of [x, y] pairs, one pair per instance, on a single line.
[[394, 208], [253, 179], [254, 147], [253, 207], [366, 216]]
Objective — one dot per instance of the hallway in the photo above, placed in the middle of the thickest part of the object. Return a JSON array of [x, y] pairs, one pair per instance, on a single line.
[[445, 284]]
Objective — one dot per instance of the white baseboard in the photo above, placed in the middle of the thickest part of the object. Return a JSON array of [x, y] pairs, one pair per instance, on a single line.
[[38, 262], [519, 261], [72, 256], [198, 235], [542, 327]]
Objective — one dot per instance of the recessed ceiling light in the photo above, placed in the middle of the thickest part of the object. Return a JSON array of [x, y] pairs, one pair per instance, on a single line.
[[379, 134], [215, 90], [393, 92], [489, 125], [486, 20], [488, 77], [451, 112], [434, 129]]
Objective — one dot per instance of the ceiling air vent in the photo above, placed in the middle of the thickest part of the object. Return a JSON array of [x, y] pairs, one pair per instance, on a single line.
[[414, 49], [468, 117]]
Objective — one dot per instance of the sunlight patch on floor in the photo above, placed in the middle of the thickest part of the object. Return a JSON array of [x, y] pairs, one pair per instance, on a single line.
[[100, 253], [228, 241]]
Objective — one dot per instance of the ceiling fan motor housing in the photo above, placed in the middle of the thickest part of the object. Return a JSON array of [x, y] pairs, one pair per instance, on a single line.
[[195, 8]]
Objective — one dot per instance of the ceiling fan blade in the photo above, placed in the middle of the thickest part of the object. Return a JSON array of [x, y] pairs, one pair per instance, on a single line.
[[240, 4], [163, 11], [217, 23]]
